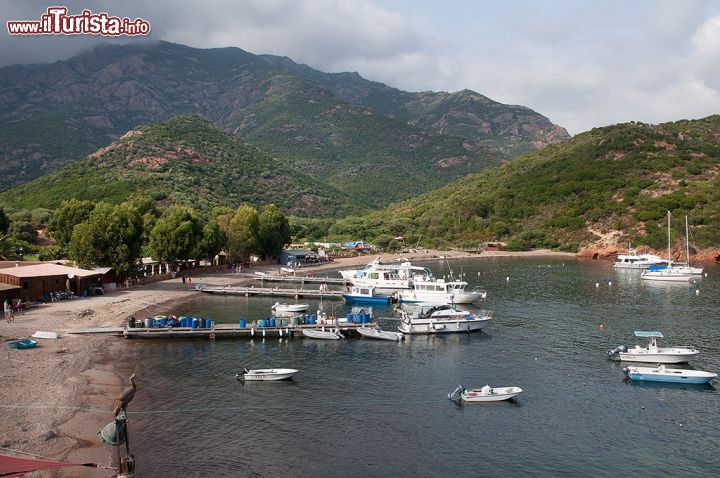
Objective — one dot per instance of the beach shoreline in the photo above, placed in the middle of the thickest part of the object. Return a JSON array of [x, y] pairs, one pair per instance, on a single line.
[[62, 392]]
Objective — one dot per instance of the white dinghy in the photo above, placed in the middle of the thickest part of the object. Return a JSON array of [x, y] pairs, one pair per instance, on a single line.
[[266, 374], [652, 353], [289, 309], [373, 333], [485, 394], [323, 334]]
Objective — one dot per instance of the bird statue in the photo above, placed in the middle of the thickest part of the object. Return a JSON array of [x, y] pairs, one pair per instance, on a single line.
[[121, 403]]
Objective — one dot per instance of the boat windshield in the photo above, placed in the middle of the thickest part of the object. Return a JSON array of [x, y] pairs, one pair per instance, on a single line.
[[641, 333]]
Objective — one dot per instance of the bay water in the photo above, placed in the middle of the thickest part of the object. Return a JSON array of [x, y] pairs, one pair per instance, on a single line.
[[361, 408]]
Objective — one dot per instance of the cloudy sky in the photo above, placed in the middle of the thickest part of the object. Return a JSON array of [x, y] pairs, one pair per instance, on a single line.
[[582, 63]]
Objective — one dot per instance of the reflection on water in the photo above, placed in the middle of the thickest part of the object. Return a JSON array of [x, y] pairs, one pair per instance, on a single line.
[[375, 408]]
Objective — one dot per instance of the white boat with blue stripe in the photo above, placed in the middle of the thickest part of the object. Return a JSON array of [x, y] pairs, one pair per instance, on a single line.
[[674, 375]]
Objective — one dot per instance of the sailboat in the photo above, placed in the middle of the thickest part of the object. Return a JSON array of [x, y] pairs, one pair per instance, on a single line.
[[674, 272]]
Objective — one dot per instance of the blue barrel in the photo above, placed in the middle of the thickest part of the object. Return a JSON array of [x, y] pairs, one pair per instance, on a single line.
[[365, 317], [351, 318], [208, 324], [194, 323], [272, 322], [262, 323], [183, 322], [242, 323]]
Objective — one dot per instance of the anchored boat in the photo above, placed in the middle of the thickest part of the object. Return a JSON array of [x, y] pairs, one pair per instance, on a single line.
[[266, 374], [652, 353], [323, 334], [662, 374], [485, 394], [289, 309], [442, 320], [632, 260], [437, 291], [365, 295], [389, 277]]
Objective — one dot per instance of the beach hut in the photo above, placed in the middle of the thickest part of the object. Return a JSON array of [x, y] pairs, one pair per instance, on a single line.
[[36, 282]]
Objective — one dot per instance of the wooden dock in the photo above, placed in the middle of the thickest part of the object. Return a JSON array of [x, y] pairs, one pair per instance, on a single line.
[[303, 279], [97, 331], [276, 292], [221, 331]]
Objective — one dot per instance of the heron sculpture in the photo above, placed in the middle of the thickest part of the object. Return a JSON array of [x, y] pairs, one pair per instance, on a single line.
[[121, 403]]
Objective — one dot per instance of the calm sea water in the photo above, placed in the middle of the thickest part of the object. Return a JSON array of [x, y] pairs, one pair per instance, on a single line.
[[370, 408]]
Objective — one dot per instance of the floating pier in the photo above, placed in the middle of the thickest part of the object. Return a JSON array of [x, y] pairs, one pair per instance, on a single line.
[[266, 291], [235, 331], [304, 279]]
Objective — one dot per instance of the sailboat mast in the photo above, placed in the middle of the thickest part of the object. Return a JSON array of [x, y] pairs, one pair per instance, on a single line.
[[687, 242], [669, 257]]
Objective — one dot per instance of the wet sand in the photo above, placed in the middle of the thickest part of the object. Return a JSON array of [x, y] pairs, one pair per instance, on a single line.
[[57, 396]]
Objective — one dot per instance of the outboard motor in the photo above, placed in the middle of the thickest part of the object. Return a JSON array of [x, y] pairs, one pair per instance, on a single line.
[[620, 348], [459, 389], [626, 370]]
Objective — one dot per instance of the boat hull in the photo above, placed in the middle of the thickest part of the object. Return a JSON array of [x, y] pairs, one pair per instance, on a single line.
[[412, 297], [372, 333], [267, 375], [381, 299], [425, 326], [669, 375], [497, 395], [656, 358], [322, 334]]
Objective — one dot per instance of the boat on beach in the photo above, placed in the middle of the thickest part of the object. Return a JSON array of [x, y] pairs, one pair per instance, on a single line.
[[266, 374], [323, 334], [485, 394], [442, 320], [373, 333], [674, 375], [23, 344], [652, 353]]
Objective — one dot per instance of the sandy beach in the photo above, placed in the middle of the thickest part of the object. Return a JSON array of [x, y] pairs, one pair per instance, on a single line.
[[58, 395]]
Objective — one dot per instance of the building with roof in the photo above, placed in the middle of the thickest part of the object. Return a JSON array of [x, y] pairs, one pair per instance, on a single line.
[[35, 282]]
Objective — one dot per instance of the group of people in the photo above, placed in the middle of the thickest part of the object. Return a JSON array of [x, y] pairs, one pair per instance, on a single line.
[[186, 279], [11, 309]]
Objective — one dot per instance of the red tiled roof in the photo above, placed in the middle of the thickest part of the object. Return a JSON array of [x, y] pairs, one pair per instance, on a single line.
[[48, 269]]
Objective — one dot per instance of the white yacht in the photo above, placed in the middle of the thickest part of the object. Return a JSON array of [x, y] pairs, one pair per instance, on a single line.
[[386, 277], [438, 291], [632, 260], [442, 320]]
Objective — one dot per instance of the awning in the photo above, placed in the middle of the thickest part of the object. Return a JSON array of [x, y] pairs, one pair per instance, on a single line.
[[13, 465]]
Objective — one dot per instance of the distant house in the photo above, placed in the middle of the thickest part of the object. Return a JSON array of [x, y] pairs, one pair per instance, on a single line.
[[35, 282], [297, 257], [493, 246]]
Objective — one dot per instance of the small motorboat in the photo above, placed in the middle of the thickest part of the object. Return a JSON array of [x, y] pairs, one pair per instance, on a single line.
[[485, 394], [373, 333], [443, 319], [287, 270], [652, 353], [266, 374], [23, 344], [662, 374], [323, 334], [289, 309]]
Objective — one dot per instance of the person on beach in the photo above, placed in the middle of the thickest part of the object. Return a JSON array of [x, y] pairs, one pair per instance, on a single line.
[[19, 307], [8, 311]]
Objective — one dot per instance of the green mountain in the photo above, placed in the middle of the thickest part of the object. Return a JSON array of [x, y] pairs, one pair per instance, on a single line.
[[53, 114], [186, 160], [512, 129], [614, 183]]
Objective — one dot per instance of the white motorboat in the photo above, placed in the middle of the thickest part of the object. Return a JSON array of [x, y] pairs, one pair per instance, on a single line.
[[323, 334], [386, 277], [662, 374], [266, 374], [438, 291], [373, 333], [485, 394], [442, 320], [652, 353], [674, 272], [287, 270], [365, 295], [289, 309], [632, 260]]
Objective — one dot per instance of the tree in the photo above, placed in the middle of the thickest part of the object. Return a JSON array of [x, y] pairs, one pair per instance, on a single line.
[[273, 232], [242, 233], [176, 234], [213, 240], [23, 231], [4, 222], [70, 213], [111, 237], [8, 248]]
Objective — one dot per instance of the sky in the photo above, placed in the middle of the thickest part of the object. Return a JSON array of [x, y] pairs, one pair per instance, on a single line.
[[581, 63]]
